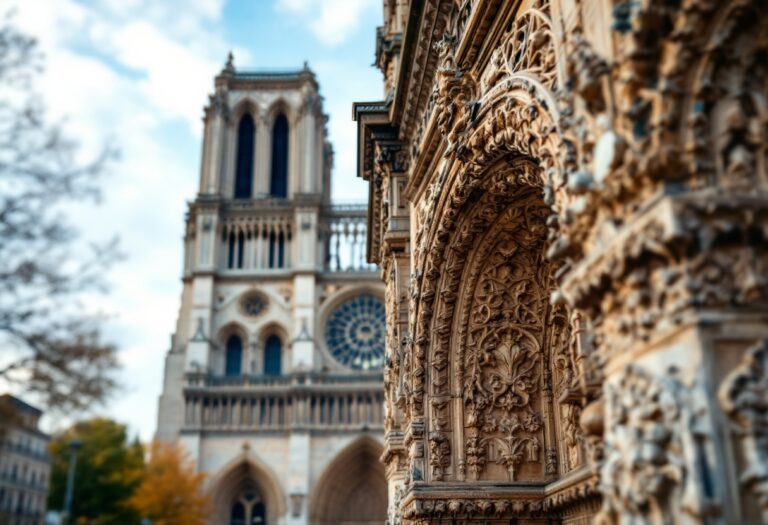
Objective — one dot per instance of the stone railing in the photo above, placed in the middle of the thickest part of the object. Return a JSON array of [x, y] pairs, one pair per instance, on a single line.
[[298, 401], [256, 241], [344, 234], [260, 237]]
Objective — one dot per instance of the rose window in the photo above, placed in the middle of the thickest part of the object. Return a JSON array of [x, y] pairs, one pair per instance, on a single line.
[[354, 333], [253, 304]]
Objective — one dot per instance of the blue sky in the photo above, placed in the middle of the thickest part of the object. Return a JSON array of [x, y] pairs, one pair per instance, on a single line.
[[137, 73]]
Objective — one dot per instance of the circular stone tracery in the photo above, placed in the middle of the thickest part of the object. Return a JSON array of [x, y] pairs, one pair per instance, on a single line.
[[253, 304], [354, 333]]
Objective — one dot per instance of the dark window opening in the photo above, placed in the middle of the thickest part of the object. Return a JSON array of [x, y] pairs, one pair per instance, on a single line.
[[244, 166], [240, 249], [259, 514], [231, 258], [234, 357], [237, 517], [272, 356], [279, 177], [272, 261]]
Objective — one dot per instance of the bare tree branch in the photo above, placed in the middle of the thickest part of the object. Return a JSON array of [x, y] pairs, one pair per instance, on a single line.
[[52, 345]]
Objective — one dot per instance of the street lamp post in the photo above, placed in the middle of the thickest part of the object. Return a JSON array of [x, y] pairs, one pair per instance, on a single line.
[[74, 446]]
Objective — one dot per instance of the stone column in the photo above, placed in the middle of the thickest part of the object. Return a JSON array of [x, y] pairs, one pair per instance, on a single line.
[[214, 144]]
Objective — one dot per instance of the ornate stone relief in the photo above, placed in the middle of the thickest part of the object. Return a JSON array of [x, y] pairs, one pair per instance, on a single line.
[[503, 376], [677, 112], [656, 467], [525, 228], [392, 363], [528, 48], [651, 164], [744, 398], [691, 254], [503, 352]]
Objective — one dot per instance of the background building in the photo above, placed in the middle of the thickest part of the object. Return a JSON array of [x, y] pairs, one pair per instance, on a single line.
[[24, 464], [273, 380], [569, 205]]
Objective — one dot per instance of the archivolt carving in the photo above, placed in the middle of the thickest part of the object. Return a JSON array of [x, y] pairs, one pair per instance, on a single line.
[[528, 48], [478, 367], [513, 112], [517, 125], [522, 227], [511, 119]]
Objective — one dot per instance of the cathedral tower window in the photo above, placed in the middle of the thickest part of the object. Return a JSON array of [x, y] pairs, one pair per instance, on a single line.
[[231, 251], [273, 350], [234, 357], [240, 249], [277, 249], [244, 166], [272, 251], [236, 247], [278, 186]]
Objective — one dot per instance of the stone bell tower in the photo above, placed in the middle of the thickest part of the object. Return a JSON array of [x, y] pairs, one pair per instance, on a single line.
[[273, 379]]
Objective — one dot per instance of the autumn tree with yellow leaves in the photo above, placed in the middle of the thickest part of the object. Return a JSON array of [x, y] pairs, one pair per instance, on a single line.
[[171, 491]]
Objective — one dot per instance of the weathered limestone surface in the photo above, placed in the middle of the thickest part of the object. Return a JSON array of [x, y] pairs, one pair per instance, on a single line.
[[569, 208]]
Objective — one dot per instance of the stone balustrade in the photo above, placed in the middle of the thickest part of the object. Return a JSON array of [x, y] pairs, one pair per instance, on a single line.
[[298, 401], [344, 229]]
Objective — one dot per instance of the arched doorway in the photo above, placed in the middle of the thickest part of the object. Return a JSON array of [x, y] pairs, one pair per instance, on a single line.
[[246, 493], [353, 489]]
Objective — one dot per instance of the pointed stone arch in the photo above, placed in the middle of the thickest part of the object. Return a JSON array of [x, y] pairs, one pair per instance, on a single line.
[[246, 473], [479, 371], [352, 490]]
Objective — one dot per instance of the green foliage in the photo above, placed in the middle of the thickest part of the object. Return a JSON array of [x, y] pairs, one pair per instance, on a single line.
[[109, 469]]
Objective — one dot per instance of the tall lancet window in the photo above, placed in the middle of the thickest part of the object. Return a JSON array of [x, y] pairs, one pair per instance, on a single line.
[[244, 166], [278, 186], [234, 357], [273, 350]]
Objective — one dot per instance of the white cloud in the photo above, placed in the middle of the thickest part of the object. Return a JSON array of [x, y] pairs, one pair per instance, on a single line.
[[331, 21], [130, 70]]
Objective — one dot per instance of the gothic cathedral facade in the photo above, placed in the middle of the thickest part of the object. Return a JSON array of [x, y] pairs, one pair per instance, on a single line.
[[569, 207], [273, 382]]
